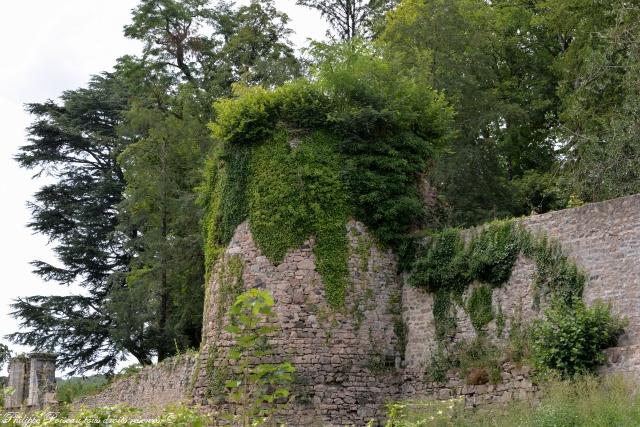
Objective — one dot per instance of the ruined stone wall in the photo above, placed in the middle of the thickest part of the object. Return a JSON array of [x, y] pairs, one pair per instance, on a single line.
[[151, 389], [602, 238], [349, 362], [344, 359]]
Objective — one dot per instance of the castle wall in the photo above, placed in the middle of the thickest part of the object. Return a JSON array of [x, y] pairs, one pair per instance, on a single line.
[[602, 238], [344, 359], [349, 363], [151, 389]]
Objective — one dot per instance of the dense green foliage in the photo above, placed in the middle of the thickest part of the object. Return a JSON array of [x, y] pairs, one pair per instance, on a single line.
[[298, 193], [350, 143], [433, 113], [446, 267], [585, 402], [571, 342], [125, 155], [479, 307]]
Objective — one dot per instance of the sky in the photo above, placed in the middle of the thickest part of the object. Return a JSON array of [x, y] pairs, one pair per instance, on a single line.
[[50, 46]]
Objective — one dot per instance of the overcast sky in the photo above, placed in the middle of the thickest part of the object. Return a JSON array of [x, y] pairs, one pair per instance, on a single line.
[[50, 46]]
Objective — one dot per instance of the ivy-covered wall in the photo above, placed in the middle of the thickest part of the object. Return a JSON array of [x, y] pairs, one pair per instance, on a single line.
[[347, 360], [590, 251]]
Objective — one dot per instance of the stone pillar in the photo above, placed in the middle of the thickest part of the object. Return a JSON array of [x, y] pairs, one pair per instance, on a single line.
[[42, 380], [19, 370]]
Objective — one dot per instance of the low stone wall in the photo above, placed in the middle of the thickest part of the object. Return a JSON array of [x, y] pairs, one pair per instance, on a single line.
[[515, 384], [151, 389]]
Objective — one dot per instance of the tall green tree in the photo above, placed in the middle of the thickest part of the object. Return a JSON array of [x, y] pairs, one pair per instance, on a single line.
[[350, 18], [162, 170], [493, 62], [215, 46], [598, 68], [76, 144]]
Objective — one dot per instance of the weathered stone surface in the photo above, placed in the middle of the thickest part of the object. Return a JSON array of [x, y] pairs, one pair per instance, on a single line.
[[334, 352], [152, 389], [33, 379]]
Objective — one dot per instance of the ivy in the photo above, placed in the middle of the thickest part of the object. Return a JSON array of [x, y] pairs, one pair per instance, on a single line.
[[446, 267], [224, 197], [479, 307], [493, 253], [299, 160], [295, 193]]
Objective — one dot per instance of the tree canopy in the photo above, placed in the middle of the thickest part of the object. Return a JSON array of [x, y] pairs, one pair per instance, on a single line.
[[412, 116]]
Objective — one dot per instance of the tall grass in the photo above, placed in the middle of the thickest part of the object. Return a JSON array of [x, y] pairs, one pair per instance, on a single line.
[[584, 402]]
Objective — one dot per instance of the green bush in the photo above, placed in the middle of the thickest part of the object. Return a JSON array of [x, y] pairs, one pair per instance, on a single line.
[[571, 340]]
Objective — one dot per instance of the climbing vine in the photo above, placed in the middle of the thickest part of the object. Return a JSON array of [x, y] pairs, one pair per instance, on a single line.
[[300, 160], [295, 193], [447, 266]]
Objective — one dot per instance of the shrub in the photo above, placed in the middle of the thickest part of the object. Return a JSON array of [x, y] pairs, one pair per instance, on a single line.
[[570, 340]]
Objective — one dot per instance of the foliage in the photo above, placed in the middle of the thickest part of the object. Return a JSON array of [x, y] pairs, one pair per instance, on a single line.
[[598, 92], [121, 415], [422, 413], [161, 170], [555, 272], [446, 267], [493, 252], [493, 60], [519, 340], [294, 194], [570, 341], [438, 366], [350, 18], [73, 388], [586, 401], [5, 354], [443, 264], [479, 307], [356, 129], [125, 155], [247, 44], [256, 388], [76, 144], [478, 355]]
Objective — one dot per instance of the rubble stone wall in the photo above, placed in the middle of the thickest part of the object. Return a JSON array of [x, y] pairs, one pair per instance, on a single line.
[[602, 238], [350, 362], [151, 389]]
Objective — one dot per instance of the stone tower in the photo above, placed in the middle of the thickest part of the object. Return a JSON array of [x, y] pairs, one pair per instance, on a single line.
[[33, 379]]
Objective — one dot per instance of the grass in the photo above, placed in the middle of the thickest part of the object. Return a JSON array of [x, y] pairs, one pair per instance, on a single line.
[[586, 402]]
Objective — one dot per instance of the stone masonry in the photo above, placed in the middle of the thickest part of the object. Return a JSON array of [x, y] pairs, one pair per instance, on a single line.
[[151, 389], [349, 362], [33, 379], [345, 360]]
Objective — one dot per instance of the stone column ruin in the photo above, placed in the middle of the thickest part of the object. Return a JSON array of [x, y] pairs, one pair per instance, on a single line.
[[33, 379]]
